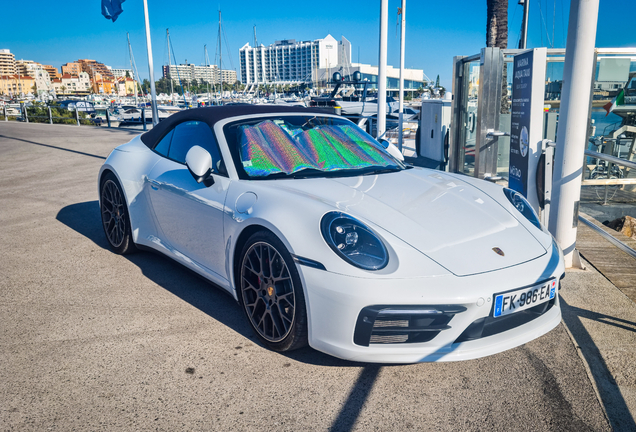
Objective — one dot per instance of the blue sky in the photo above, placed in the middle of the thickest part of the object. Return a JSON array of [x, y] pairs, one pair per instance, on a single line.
[[59, 32]]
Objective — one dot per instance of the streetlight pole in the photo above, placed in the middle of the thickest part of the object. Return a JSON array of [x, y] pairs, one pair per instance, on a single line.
[[523, 41], [384, 26], [572, 135], [153, 92], [402, 43]]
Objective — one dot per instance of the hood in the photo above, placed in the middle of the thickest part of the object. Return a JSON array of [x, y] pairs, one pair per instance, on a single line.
[[450, 221]]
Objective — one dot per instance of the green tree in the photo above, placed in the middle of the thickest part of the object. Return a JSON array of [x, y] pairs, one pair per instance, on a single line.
[[127, 74], [437, 81]]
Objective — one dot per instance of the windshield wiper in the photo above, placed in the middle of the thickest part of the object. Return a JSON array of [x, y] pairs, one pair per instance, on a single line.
[[382, 170]]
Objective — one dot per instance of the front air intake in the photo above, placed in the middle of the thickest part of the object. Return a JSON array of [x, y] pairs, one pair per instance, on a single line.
[[402, 324]]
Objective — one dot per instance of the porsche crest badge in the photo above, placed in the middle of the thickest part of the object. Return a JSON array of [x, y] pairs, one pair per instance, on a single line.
[[498, 251]]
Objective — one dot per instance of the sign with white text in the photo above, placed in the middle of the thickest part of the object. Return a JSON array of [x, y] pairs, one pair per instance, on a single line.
[[520, 122]]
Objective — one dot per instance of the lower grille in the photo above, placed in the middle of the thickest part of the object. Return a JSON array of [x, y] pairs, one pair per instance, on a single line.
[[390, 323], [377, 339], [489, 326], [384, 324]]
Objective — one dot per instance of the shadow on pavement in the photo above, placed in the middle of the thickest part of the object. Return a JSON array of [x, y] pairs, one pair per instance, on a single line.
[[85, 219], [356, 399], [53, 147], [617, 410]]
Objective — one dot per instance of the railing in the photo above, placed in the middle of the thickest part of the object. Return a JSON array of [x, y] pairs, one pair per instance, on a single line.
[[616, 242], [23, 115], [612, 173], [79, 117]]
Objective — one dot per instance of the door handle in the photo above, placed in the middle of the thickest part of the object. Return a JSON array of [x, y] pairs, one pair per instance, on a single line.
[[494, 133], [154, 184]]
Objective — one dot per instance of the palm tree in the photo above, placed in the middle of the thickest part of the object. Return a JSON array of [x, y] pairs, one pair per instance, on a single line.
[[497, 36], [63, 89]]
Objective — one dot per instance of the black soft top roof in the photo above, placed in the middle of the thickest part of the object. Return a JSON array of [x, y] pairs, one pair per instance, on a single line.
[[212, 115]]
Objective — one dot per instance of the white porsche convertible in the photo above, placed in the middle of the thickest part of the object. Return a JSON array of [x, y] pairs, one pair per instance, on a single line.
[[324, 238]]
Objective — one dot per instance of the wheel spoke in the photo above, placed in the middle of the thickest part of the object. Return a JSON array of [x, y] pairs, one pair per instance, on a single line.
[[276, 322], [286, 319], [251, 267]]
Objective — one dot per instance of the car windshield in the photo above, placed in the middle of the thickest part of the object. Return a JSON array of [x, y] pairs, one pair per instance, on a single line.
[[305, 146]]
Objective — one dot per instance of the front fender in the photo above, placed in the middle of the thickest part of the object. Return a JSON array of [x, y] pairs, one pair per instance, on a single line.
[[295, 218]]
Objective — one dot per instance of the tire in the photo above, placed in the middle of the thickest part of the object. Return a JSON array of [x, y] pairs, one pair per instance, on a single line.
[[274, 305], [115, 217]]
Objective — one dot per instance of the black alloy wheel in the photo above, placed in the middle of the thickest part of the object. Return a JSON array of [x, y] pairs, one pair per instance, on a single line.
[[271, 293], [115, 216]]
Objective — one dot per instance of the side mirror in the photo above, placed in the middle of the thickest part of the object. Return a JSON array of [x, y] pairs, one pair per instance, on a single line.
[[392, 150], [199, 163]]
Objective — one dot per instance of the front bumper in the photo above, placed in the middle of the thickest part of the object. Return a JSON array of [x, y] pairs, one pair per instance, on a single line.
[[335, 303]]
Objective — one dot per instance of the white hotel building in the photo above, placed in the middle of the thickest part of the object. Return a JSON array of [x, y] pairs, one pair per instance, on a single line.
[[189, 72], [291, 62]]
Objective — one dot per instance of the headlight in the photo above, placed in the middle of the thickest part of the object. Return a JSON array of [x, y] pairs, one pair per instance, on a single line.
[[353, 241], [523, 206]]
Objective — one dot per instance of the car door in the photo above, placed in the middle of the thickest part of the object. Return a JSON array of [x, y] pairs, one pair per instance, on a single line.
[[190, 215]]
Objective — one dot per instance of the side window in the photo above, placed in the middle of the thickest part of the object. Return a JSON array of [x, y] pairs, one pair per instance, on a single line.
[[164, 145], [189, 134]]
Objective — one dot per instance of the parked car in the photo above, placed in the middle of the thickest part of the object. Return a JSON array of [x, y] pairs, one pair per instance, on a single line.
[[324, 238]]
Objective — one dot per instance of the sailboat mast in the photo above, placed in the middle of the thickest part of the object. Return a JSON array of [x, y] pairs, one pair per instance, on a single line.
[[169, 64], [220, 58], [207, 63], [131, 68]]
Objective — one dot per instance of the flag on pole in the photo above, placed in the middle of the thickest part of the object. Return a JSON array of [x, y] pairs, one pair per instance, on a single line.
[[618, 100], [111, 9]]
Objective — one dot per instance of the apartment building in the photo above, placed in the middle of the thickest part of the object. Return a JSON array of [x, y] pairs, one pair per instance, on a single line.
[[79, 84], [92, 67], [7, 62], [53, 72], [188, 72], [126, 86], [291, 62], [37, 72], [16, 85], [72, 68], [228, 76], [121, 73]]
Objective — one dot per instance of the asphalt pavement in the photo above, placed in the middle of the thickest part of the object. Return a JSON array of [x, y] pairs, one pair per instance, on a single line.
[[90, 340]]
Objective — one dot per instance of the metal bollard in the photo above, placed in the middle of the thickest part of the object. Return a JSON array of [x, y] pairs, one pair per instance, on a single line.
[[4, 108], [50, 116], [143, 117], [107, 118], [77, 116], [24, 113]]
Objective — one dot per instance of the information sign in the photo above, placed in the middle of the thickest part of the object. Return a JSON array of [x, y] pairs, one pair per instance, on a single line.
[[520, 122]]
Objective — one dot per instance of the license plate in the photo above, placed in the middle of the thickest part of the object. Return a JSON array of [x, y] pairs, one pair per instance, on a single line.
[[524, 298]]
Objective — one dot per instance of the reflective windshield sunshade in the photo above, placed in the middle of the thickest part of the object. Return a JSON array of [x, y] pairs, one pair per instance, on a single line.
[[267, 148], [272, 147]]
